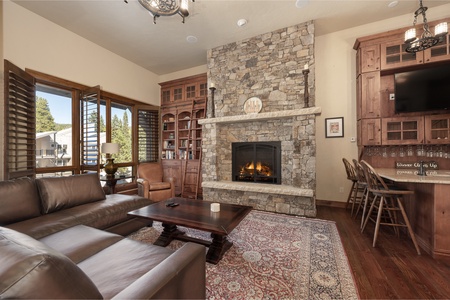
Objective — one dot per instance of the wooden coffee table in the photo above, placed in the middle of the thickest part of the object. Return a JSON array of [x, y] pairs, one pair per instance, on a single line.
[[195, 214]]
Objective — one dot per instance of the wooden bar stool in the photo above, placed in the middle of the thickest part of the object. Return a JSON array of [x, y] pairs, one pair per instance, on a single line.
[[387, 202], [353, 194], [366, 196]]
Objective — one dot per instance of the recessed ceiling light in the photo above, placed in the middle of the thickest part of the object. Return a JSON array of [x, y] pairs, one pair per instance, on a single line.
[[191, 39], [301, 3], [393, 4], [241, 22]]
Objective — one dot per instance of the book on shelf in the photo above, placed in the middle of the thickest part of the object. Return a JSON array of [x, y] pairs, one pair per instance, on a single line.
[[182, 154], [170, 154]]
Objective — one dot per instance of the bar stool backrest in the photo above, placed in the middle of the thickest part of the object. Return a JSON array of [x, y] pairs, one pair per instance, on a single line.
[[360, 172], [374, 181], [351, 172]]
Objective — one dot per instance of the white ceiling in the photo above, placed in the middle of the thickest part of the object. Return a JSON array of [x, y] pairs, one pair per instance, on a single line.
[[128, 29]]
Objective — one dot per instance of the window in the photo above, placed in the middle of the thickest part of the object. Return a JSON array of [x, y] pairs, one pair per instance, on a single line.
[[121, 117], [53, 127]]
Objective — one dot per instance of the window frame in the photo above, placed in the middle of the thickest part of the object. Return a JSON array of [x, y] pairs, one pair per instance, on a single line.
[[76, 88]]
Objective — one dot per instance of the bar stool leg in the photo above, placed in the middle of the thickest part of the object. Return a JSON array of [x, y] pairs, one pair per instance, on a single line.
[[411, 233], [350, 194], [366, 201], [368, 213], [377, 225], [362, 202], [355, 196]]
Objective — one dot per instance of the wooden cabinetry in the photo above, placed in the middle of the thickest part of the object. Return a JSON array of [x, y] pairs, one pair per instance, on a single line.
[[439, 52], [370, 95], [172, 168], [183, 103], [378, 58], [370, 58], [402, 131], [371, 132], [437, 129], [393, 55]]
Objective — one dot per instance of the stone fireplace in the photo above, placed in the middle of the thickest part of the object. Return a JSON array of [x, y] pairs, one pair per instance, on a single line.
[[269, 67]]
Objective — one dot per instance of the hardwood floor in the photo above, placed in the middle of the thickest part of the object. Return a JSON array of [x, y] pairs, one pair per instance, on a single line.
[[391, 270]]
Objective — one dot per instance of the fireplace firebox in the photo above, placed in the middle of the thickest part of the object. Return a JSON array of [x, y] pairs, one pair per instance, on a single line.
[[258, 162]]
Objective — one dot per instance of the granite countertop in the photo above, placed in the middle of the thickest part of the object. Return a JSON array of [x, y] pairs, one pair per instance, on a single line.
[[410, 175]]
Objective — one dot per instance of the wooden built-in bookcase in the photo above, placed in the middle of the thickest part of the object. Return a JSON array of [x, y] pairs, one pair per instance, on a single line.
[[183, 103]]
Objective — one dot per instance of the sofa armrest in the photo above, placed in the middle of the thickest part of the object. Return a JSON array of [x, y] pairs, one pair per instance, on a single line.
[[181, 276], [143, 187]]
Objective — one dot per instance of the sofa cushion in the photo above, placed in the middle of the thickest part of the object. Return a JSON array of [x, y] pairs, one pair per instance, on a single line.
[[62, 192], [88, 241], [130, 259], [30, 269], [105, 213], [45, 224], [19, 200], [155, 186]]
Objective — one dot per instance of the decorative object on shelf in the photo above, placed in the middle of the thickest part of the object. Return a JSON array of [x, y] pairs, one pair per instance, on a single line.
[[427, 40], [306, 94], [108, 149], [252, 105], [212, 88], [334, 127], [166, 8]]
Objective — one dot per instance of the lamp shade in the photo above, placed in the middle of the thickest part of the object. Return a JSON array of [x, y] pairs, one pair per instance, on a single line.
[[110, 148]]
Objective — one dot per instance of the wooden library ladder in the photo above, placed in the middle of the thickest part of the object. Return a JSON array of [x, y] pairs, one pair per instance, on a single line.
[[191, 176]]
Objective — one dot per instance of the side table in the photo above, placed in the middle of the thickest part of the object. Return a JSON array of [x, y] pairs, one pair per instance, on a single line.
[[112, 180]]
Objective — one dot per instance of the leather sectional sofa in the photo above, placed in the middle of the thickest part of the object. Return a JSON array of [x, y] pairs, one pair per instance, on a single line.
[[58, 239]]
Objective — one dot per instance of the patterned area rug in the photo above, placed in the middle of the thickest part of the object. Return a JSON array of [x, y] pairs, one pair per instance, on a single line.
[[275, 256]]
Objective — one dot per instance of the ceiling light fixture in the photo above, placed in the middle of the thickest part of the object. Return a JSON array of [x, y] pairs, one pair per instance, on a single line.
[[241, 22], [166, 8], [301, 3], [393, 4], [426, 40]]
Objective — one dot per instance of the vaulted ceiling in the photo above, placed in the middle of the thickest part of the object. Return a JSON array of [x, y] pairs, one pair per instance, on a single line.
[[128, 29]]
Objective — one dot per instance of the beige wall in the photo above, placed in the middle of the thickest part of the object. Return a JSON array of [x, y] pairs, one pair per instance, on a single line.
[[184, 73], [31, 41], [336, 94]]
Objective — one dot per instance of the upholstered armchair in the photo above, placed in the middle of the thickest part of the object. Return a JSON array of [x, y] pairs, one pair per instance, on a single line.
[[152, 184]]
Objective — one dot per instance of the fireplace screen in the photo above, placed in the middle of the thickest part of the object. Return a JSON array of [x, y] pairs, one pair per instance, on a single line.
[[257, 162]]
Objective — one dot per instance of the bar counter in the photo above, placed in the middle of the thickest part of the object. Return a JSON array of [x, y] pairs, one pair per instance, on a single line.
[[410, 175], [428, 209]]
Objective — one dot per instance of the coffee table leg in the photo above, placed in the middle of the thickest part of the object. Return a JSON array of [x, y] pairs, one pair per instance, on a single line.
[[167, 235], [218, 247]]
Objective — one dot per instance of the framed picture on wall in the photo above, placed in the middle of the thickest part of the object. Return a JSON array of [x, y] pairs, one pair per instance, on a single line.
[[334, 127]]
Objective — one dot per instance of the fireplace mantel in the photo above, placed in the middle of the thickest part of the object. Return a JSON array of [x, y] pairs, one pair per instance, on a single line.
[[262, 116]]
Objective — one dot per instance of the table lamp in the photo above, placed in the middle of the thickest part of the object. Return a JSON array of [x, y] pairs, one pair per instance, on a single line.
[[108, 149]]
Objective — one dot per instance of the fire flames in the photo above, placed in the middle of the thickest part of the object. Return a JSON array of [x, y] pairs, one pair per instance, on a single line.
[[261, 169]]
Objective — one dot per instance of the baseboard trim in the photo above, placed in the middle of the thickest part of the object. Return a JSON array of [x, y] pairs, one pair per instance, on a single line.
[[330, 203]]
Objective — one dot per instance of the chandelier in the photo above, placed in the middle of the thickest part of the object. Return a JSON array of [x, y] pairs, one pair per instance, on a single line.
[[166, 8], [426, 40]]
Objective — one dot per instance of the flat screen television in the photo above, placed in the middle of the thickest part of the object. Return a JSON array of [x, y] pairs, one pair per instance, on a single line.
[[423, 90]]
